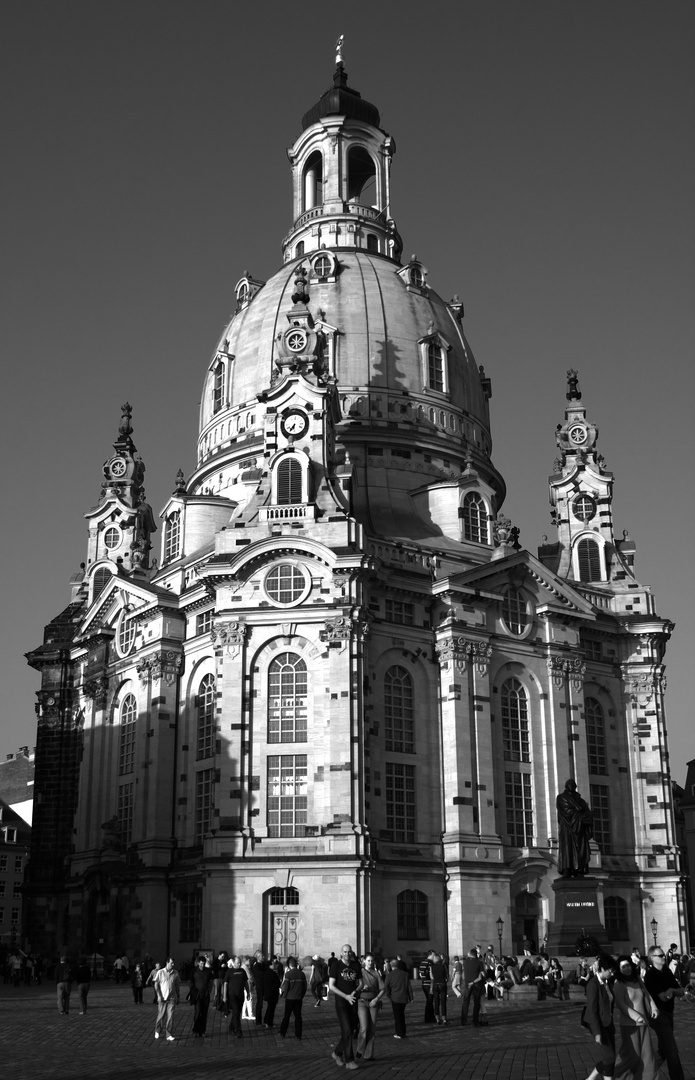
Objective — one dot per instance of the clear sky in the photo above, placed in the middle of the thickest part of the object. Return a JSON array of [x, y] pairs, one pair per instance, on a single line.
[[544, 171]]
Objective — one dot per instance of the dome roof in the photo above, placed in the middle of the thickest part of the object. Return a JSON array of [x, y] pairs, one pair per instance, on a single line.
[[380, 321], [341, 100]]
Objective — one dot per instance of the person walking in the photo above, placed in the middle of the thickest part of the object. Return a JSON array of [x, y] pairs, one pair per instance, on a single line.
[[64, 979], [247, 1012], [200, 992], [439, 976], [425, 983], [235, 990], [345, 982], [456, 976], [397, 989], [318, 978], [83, 976], [664, 988], [137, 981], [167, 987], [598, 1015], [293, 989], [635, 1058], [368, 1005], [258, 970], [150, 981], [473, 985]]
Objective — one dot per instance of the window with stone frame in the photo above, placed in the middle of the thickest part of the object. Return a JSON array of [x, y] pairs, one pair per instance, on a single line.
[[436, 370], [515, 611], [190, 909], [515, 723], [289, 481], [128, 718], [172, 536], [412, 915], [287, 699], [399, 611], [287, 795], [126, 806], [589, 560], [203, 622], [595, 737], [205, 711], [218, 386], [204, 803], [399, 724], [519, 808], [600, 807], [615, 914], [400, 802], [475, 518]]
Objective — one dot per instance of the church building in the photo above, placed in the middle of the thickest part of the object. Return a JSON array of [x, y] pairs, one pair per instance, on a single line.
[[339, 700]]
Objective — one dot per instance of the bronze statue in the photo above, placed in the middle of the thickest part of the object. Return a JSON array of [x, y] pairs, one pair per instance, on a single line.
[[576, 828]]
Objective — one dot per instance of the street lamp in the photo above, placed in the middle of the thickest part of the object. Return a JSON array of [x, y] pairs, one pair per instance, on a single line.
[[655, 927], [500, 928]]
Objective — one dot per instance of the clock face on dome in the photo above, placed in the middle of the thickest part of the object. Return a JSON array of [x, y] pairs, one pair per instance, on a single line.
[[295, 423], [118, 467], [577, 434]]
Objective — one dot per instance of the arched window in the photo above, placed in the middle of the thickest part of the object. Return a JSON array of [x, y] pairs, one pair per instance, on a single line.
[[172, 539], [101, 580], [412, 915], [435, 366], [218, 386], [515, 733], [128, 716], [313, 181], [474, 512], [514, 611], [361, 177], [205, 744], [287, 699], [589, 558], [416, 277], [299, 250], [399, 729], [595, 737], [372, 242], [288, 897], [615, 913], [289, 481], [126, 634]]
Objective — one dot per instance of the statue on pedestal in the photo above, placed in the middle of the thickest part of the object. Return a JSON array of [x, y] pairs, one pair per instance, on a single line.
[[575, 830]]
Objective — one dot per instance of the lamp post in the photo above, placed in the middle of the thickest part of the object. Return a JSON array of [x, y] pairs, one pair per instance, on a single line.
[[500, 928], [655, 926]]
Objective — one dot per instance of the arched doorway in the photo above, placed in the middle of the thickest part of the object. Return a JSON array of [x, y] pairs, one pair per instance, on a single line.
[[527, 913], [282, 922]]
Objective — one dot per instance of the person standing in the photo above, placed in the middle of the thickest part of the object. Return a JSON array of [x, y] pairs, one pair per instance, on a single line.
[[368, 1004], [473, 985], [271, 992], [167, 987], [64, 978], [201, 989], [598, 1015], [439, 976], [456, 976], [235, 989], [344, 982], [426, 984], [137, 981], [397, 989], [318, 978], [664, 987], [293, 990], [150, 981], [83, 977], [635, 1010], [258, 970]]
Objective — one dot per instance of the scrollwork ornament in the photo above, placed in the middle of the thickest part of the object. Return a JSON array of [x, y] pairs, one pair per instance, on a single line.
[[640, 688], [97, 690], [229, 636], [160, 667]]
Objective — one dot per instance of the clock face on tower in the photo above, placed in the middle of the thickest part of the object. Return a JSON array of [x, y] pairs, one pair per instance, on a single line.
[[577, 434], [295, 423], [118, 467]]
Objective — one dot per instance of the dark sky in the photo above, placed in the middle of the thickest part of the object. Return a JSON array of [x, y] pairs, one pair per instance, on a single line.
[[544, 171]]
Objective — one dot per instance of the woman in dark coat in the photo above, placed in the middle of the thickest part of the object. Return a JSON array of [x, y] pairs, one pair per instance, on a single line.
[[598, 1015]]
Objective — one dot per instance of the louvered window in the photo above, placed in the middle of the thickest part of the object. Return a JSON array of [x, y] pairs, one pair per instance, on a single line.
[[589, 561], [289, 482]]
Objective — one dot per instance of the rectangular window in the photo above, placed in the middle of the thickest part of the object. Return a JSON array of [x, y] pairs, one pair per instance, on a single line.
[[3, 863], [218, 388], [600, 806], [593, 650], [400, 612], [2, 890], [411, 916], [287, 795], [400, 802], [287, 712], [204, 803], [14, 918], [126, 762], [435, 367], [517, 790], [203, 622], [189, 916], [126, 803], [18, 863]]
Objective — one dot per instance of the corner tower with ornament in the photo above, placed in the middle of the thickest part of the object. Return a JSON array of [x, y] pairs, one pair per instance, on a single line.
[[341, 703]]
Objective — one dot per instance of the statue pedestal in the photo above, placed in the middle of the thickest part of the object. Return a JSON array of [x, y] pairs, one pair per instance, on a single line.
[[576, 913]]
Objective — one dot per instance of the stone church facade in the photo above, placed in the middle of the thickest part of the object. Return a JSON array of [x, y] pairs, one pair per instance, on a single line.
[[339, 703]]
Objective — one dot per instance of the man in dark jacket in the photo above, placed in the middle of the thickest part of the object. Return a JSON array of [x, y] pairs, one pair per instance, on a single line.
[[664, 987], [598, 1014], [64, 980], [293, 990], [83, 976], [201, 988], [473, 985], [397, 988], [258, 970]]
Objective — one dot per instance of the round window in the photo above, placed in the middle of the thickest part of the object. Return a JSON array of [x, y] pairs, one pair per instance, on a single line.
[[126, 634], [112, 537], [286, 584], [296, 340], [322, 266], [584, 507], [515, 612]]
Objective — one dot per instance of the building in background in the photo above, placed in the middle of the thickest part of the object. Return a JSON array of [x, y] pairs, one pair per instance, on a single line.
[[15, 837], [341, 702], [17, 782]]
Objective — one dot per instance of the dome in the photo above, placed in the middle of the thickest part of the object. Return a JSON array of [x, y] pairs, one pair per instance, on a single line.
[[341, 100]]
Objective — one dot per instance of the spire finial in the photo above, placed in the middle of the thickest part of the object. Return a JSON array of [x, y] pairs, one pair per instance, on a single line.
[[339, 50], [573, 391]]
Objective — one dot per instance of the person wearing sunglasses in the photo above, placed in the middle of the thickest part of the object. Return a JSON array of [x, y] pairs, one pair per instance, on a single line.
[[664, 987]]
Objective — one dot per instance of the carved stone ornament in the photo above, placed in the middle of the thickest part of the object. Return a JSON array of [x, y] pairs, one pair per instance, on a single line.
[[461, 650], [97, 690], [113, 835], [641, 688], [165, 666], [228, 635], [572, 668], [340, 630]]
